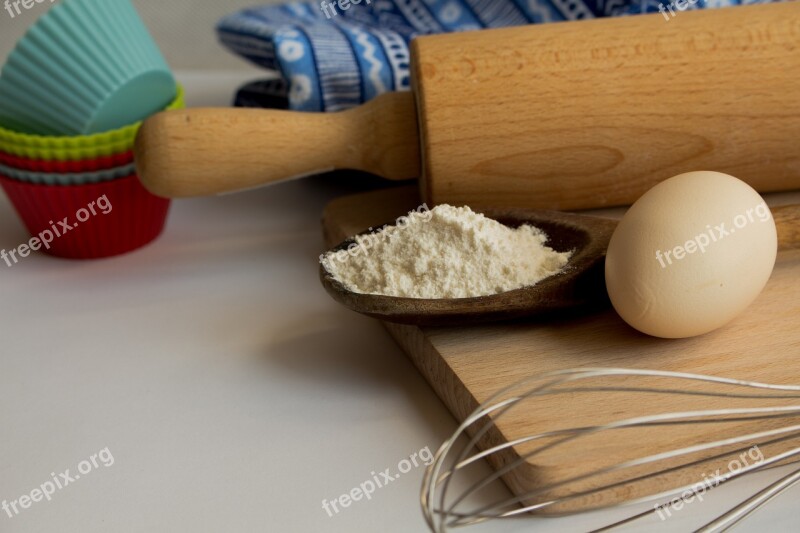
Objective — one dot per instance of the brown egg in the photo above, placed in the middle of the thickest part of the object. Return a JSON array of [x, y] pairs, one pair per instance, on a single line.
[[690, 255]]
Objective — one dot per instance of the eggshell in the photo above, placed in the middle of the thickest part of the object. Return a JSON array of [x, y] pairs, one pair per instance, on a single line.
[[690, 255]]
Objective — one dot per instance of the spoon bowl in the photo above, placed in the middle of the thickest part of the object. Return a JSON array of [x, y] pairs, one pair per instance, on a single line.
[[579, 285]]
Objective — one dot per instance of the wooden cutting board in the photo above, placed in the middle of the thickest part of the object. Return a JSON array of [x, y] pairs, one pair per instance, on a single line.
[[466, 365]]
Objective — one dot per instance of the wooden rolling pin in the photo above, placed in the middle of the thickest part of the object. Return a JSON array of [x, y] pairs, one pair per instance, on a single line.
[[559, 116]]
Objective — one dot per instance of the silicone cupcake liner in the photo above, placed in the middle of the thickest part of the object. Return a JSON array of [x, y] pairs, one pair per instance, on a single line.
[[78, 147], [135, 219], [85, 66], [65, 167], [79, 178]]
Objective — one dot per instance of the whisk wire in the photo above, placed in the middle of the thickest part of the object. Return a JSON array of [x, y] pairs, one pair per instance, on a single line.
[[437, 477]]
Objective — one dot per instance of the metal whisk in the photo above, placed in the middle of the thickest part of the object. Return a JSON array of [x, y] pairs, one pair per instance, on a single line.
[[691, 424]]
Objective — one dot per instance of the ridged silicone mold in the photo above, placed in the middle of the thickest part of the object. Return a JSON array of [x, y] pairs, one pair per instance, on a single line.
[[86, 66], [64, 148]]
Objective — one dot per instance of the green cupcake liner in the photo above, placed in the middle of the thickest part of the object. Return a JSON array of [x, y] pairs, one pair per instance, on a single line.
[[77, 147]]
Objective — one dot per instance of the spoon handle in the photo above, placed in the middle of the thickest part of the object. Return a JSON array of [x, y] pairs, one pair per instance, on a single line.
[[787, 220]]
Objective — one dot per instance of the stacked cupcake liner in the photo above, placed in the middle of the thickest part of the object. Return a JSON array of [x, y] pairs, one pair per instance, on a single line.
[[136, 218], [87, 66], [72, 97], [58, 167], [75, 178]]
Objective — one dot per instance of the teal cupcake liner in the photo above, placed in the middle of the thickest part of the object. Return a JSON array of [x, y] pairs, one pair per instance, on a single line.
[[85, 67], [75, 148], [77, 178]]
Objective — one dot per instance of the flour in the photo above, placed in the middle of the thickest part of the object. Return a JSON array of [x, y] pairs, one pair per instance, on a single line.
[[447, 252]]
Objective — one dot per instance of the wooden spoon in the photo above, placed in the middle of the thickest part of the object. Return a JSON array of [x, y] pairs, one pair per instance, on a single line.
[[577, 288]]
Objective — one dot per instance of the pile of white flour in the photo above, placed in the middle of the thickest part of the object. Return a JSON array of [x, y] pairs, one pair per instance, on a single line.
[[447, 252]]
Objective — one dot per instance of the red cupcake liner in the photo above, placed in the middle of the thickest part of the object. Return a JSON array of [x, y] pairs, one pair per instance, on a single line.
[[67, 167], [136, 217]]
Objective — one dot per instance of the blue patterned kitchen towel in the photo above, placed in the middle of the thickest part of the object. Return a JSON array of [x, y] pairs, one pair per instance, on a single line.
[[336, 54]]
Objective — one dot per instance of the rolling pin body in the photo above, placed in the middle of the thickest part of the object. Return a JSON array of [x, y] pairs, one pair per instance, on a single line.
[[594, 113]]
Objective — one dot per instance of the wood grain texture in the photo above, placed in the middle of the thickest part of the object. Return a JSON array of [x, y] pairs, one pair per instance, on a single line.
[[465, 365], [594, 113], [203, 151], [787, 218]]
